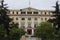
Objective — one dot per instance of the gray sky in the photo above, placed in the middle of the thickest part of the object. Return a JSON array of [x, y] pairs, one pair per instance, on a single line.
[[38, 4]]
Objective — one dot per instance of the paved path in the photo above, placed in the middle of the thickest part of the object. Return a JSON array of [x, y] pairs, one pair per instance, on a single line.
[[30, 38]]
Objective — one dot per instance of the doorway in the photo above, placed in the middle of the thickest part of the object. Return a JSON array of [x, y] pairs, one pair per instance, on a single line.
[[29, 31]]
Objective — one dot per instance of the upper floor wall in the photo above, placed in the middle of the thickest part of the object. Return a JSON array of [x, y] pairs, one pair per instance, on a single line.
[[31, 11]]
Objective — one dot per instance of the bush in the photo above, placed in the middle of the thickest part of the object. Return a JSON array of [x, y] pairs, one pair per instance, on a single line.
[[44, 31]]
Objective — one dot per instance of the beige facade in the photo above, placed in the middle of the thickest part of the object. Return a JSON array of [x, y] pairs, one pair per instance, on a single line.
[[30, 18]]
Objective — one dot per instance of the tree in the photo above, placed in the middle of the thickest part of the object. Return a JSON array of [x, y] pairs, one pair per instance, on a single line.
[[2, 32], [57, 15], [44, 31], [56, 22], [11, 33], [4, 18], [16, 32]]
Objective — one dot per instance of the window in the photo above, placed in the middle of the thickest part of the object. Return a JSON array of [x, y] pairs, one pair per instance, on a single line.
[[35, 25], [12, 22], [45, 13], [41, 18], [29, 18], [16, 12], [35, 18], [13, 12], [23, 19], [16, 18], [8, 11], [35, 12], [29, 12], [22, 24], [23, 12], [45, 18], [29, 25]]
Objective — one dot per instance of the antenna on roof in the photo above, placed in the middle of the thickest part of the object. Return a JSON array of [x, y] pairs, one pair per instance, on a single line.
[[29, 5]]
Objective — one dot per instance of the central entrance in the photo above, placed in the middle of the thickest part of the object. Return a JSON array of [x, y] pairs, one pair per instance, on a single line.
[[29, 31]]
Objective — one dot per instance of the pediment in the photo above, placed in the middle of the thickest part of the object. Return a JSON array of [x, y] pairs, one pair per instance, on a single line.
[[29, 9]]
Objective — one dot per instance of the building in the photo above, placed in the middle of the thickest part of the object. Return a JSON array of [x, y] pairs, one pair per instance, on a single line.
[[29, 18]]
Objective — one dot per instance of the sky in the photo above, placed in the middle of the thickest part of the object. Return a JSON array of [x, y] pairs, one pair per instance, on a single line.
[[38, 4]]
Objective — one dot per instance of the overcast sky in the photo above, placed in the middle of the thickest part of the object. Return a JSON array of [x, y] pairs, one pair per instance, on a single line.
[[38, 4]]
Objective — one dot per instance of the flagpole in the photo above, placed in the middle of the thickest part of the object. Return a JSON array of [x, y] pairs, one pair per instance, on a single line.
[[29, 3]]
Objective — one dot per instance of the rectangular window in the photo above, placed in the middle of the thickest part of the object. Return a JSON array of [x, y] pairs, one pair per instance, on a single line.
[[35, 12], [22, 18], [41, 18], [29, 12], [29, 18], [45, 13], [35, 18], [23, 12], [12, 12], [45, 18], [29, 25], [35, 25], [16, 18], [16, 12]]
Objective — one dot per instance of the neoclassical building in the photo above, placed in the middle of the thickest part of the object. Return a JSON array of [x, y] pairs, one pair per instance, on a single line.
[[29, 18]]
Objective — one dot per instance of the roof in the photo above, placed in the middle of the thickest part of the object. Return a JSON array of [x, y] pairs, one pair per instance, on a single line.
[[30, 9]]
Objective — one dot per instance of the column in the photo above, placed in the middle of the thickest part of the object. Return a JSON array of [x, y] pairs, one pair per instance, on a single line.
[[19, 23], [25, 31], [32, 31], [26, 12], [32, 22], [26, 24], [39, 20], [32, 13]]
